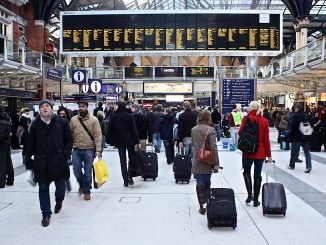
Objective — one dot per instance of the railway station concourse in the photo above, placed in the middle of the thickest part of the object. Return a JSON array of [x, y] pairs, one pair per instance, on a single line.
[[213, 53]]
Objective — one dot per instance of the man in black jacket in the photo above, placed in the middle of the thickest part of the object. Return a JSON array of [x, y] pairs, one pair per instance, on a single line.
[[6, 168], [49, 147], [142, 124], [187, 120], [122, 133], [99, 108], [298, 138], [154, 121], [216, 118]]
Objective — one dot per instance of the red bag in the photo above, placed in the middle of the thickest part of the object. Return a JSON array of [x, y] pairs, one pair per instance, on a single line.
[[205, 154]]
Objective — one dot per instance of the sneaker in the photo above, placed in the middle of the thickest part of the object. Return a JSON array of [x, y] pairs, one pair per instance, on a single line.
[[289, 167], [307, 171], [87, 197], [57, 207], [68, 185], [80, 190], [45, 221]]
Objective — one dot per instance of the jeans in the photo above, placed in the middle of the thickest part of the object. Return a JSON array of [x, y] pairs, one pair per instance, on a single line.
[[169, 150], [234, 135], [203, 179], [6, 168], [218, 131], [157, 142], [187, 146], [247, 163], [103, 142], [83, 158], [123, 160], [295, 149], [44, 195]]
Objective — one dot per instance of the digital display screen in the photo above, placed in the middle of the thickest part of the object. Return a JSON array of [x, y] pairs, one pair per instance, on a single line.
[[138, 72], [180, 31], [200, 72]]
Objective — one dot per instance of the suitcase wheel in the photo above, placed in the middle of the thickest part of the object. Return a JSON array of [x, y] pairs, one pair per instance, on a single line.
[[176, 181], [284, 214], [234, 227], [188, 182], [209, 226], [144, 179], [154, 179]]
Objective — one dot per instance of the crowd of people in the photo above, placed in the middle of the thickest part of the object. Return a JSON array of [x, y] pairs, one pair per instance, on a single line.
[[51, 142]]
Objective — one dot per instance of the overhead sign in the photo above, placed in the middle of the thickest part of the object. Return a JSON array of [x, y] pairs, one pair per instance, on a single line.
[[79, 76], [291, 95], [168, 71], [200, 72], [193, 31], [138, 72], [93, 86], [118, 89], [237, 91], [204, 101], [168, 88], [54, 74]]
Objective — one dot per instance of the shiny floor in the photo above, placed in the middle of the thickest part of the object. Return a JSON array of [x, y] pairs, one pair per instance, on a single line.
[[162, 212]]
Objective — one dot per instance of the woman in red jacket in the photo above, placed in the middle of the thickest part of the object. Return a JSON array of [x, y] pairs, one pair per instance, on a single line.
[[258, 158]]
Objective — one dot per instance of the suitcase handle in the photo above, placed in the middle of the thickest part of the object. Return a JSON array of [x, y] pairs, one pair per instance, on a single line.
[[180, 152], [266, 162], [214, 178]]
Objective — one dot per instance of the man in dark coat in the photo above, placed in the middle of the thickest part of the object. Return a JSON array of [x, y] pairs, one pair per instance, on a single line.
[[298, 139], [6, 168], [216, 119], [99, 108], [49, 147], [166, 133], [122, 133], [154, 121]]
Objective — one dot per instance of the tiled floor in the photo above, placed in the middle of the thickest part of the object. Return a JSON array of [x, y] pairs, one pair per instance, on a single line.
[[162, 212]]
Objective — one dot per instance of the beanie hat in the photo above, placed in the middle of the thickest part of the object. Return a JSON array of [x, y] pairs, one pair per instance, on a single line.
[[46, 102]]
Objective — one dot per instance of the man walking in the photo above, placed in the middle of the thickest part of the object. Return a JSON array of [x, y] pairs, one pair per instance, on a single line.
[[87, 137], [6, 168], [187, 120], [49, 146], [154, 121]]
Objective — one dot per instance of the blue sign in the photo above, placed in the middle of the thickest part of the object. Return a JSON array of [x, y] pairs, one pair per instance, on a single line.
[[94, 86], [204, 101], [54, 74], [79, 76], [237, 91]]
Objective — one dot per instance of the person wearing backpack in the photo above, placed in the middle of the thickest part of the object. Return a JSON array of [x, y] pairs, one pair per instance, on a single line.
[[254, 134], [300, 131]]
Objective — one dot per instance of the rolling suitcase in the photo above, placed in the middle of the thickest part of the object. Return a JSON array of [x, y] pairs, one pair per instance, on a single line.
[[221, 209], [316, 141], [182, 167], [150, 166], [273, 197]]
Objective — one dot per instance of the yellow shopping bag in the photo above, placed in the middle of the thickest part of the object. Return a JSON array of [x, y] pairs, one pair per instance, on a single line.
[[100, 173]]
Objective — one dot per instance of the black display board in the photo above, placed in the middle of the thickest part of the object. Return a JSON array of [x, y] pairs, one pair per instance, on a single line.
[[182, 31], [207, 72], [138, 72], [168, 71]]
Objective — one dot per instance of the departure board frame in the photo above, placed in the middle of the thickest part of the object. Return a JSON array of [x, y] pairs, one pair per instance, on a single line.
[[177, 33]]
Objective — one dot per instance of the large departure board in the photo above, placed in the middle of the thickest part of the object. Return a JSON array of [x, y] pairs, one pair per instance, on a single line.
[[205, 31]]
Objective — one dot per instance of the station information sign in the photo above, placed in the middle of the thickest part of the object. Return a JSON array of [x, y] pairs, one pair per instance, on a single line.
[[138, 72], [118, 31], [237, 91], [203, 72], [168, 71]]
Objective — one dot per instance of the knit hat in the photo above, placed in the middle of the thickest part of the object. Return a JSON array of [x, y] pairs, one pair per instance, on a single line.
[[46, 102]]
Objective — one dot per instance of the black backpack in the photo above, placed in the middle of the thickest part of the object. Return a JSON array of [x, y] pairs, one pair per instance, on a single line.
[[248, 139]]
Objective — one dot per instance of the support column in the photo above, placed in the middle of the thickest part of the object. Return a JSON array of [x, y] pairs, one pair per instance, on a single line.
[[174, 61], [137, 60], [297, 29]]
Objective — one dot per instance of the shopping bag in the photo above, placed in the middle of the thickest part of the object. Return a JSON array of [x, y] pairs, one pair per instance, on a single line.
[[100, 173]]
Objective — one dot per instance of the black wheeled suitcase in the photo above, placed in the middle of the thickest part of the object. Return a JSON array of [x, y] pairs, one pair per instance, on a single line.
[[182, 168], [273, 197], [316, 141], [221, 209], [139, 162], [150, 167]]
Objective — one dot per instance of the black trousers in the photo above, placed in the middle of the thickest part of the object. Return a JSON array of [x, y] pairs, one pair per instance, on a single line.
[[169, 150], [125, 171], [6, 168]]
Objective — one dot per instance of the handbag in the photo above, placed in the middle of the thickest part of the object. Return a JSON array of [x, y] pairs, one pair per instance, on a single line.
[[100, 173], [205, 154]]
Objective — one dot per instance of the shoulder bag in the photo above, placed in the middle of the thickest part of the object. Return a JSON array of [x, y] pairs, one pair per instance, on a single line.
[[205, 154]]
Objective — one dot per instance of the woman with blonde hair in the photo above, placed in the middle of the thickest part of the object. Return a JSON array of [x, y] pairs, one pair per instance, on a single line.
[[257, 158], [201, 169]]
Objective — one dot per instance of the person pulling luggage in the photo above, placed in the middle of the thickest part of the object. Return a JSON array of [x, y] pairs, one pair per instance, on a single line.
[[257, 157]]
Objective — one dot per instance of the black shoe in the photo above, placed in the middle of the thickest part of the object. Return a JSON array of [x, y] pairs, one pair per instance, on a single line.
[[45, 221], [289, 167], [130, 181], [125, 183], [9, 183], [307, 171], [299, 160], [68, 185], [2, 186], [57, 207], [256, 203]]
